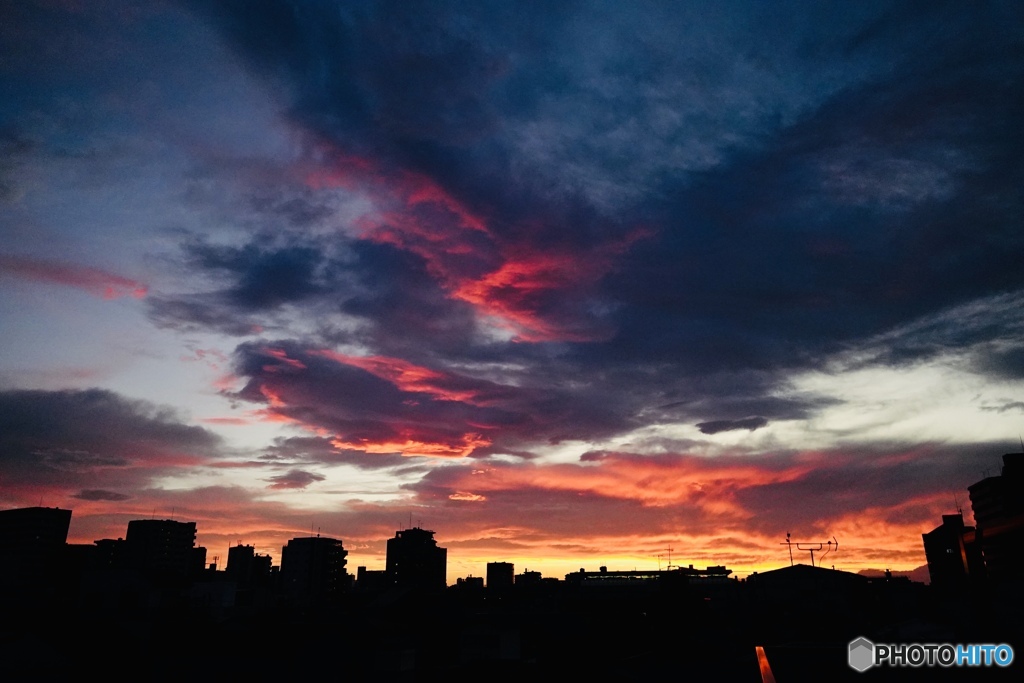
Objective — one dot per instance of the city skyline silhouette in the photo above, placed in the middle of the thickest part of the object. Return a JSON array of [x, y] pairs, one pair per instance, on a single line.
[[611, 624]]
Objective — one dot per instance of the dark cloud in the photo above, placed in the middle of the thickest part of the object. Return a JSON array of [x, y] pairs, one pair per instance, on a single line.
[[898, 480], [388, 405], [731, 217], [1004, 363], [315, 449], [403, 308], [716, 426], [263, 277], [1009, 405], [200, 313], [100, 494], [294, 479], [91, 440]]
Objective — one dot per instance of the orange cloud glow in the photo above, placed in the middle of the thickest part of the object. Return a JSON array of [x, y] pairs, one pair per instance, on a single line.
[[466, 496], [412, 446]]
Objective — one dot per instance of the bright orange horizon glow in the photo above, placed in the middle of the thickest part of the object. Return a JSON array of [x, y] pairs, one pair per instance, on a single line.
[[412, 447], [222, 525]]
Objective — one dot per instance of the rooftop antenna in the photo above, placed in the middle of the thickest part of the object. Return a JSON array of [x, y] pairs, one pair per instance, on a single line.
[[956, 502], [831, 547], [809, 547]]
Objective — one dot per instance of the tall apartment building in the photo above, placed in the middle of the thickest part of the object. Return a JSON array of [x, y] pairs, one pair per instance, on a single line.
[[313, 569], [163, 548], [414, 560], [998, 504]]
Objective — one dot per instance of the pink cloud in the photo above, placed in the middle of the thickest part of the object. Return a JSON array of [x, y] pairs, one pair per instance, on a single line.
[[92, 280]]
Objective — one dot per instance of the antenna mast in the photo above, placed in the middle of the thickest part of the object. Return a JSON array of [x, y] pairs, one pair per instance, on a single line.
[[810, 548], [788, 543]]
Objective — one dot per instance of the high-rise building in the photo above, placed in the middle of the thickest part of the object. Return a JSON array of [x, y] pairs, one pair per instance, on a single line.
[[415, 561], [35, 527], [33, 551], [313, 569], [163, 548], [500, 575], [247, 567], [954, 558], [998, 504]]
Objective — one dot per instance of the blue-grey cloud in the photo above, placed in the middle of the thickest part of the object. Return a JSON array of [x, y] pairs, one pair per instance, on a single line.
[[100, 494], [93, 440], [716, 426], [294, 479]]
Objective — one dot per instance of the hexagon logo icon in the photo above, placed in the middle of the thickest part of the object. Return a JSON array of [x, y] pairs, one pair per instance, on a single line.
[[862, 654]]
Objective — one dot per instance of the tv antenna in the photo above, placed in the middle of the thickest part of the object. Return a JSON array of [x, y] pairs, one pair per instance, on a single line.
[[810, 548]]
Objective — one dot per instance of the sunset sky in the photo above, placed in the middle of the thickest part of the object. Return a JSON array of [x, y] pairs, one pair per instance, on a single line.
[[568, 283]]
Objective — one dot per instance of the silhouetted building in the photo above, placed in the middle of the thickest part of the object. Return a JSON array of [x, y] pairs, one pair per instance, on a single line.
[[998, 504], [603, 577], [372, 580], [470, 582], [32, 552], [247, 567], [529, 578], [35, 527], [313, 569], [414, 560], [500, 575], [164, 548], [954, 558], [111, 554]]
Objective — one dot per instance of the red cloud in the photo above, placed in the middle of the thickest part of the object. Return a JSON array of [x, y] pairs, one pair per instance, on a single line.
[[406, 376], [508, 282], [417, 431], [93, 280], [282, 356]]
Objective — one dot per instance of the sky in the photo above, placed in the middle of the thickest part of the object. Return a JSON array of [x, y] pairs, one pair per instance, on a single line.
[[570, 284]]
